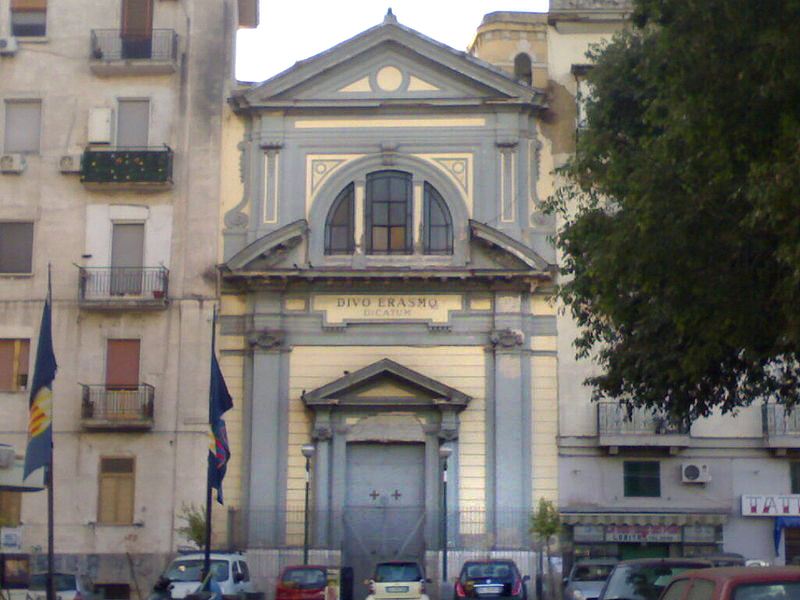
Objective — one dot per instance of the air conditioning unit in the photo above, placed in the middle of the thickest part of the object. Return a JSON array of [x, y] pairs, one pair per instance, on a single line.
[[12, 163], [70, 163], [694, 472], [8, 46]]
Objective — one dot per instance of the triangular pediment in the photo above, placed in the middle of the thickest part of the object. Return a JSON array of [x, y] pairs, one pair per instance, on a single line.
[[388, 62], [386, 383]]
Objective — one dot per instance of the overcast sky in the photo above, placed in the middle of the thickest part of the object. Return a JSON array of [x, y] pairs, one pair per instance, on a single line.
[[293, 30]]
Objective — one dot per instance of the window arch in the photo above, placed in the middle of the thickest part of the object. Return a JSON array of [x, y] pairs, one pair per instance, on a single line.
[[388, 213], [522, 68], [437, 224], [339, 225]]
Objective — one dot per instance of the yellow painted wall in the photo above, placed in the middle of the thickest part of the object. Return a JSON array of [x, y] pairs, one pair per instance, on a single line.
[[544, 425]]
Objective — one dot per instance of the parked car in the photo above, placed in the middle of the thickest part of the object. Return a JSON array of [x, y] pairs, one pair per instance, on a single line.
[[735, 583], [586, 578], [229, 572], [397, 579], [315, 582], [643, 579], [69, 586], [491, 579], [725, 559]]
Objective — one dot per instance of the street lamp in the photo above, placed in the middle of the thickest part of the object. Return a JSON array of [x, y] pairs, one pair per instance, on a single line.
[[444, 454], [308, 452]]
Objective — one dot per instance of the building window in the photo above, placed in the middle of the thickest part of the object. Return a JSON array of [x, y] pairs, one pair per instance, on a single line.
[[14, 364], [137, 28], [642, 478], [22, 126], [794, 474], [133, 123], [16, 247], [388, 212], [28, 18], [115, 502], [437, 224], [339, 225], [10, 508], [522, 69], [122, 364]]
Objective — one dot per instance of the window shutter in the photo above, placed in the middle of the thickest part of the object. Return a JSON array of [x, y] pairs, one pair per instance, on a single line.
[[16, 247], [137, 19], [29, 5], [6, 364], [122, 363], [23, 123]]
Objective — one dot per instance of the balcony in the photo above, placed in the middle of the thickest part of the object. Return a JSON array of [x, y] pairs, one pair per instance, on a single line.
[[781, 427], [616, 429], [123, 288], [114, 53], [117, 408], [138, 169]]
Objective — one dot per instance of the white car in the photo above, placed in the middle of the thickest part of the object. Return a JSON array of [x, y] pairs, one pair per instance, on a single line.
[[229, 573], [68, 586]]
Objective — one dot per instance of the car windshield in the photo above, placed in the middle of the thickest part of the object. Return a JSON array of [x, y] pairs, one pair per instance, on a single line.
[[190, 570], [501, 571], [591, 572], [767, 591], [63, 581], [389, 572], [641, 582], [304, 578]]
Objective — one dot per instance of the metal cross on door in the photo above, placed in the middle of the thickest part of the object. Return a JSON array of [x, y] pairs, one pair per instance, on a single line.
[[384, 510]]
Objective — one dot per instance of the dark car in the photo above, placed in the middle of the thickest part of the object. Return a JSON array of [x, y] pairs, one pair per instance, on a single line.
[[491, 579], [735, 583], [643, 579], [586, 578]]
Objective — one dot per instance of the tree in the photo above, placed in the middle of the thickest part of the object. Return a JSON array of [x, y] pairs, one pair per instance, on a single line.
[[545, 525], [681, 213], [194, 528]]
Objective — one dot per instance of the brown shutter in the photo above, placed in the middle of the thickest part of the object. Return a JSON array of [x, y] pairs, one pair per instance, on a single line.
[[29, 5], [7, 365], [122, 364], [137, 19], [116, 490]]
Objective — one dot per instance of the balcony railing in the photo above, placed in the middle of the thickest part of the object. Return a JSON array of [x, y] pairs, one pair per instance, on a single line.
[[123, 287], [113, 52], [127, 168], [781, 427], [642, 428], [117, 407]]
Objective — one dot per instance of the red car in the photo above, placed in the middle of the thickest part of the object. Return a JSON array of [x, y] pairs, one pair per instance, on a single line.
[[302, 583], [735, 583]]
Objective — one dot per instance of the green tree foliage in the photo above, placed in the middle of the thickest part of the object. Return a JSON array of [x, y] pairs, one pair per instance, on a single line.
[[545, 521], [681, 209], [194, 527]]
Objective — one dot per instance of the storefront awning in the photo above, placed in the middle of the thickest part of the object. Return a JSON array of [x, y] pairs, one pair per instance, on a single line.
[[644, 518]]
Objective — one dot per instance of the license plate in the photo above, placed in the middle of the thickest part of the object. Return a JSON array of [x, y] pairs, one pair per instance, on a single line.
[[489, 590], [397, 589]]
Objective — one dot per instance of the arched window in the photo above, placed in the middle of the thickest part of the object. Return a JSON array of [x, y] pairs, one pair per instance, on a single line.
[[339, 225], [388, 213], [522, 68], [437, 224]]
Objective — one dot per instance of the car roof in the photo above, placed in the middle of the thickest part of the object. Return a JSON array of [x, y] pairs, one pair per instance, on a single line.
[[489, 562], [213, 555], [664, 561], [744, 574], [597, 561], [303, 567]]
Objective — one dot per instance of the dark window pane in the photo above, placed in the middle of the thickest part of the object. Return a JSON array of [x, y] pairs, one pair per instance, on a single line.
[[380, 213], [397, 214], [28, 23], [380, 239], [16, 247], [438, 229], [388, 212], [339, 227], [795, 477], [642, 478]]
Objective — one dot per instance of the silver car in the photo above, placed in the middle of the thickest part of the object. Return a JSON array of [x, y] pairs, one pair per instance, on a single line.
[[68, 586], [586, 578]]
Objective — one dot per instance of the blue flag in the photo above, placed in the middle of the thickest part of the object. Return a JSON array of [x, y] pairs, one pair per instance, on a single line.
[[219, 451], [40, 420]]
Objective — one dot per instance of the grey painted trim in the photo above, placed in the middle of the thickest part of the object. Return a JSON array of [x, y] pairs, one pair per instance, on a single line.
[[510, 245], [332, 393], [481, 72], [285, 236]]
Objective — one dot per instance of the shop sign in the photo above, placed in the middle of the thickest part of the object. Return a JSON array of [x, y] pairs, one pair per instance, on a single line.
[[342, 308], [588, 533], [787, 505], [643, 533], [700, 534]]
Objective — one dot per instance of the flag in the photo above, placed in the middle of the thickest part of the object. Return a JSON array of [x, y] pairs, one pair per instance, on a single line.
[[40, 420], [219, 451]]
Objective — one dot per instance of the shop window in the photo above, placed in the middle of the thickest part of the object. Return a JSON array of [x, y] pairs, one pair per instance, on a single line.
[[10, 508], [642, 479], [28, 18], [340, 224], [388, 212], [22, 126], [16, 247], [116, 489], [14, 356]]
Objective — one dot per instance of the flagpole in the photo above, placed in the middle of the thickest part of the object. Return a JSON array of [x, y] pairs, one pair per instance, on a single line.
[[207, 557], [51, 588]]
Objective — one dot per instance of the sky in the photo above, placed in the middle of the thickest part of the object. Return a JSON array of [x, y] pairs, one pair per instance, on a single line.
[[293, 30]]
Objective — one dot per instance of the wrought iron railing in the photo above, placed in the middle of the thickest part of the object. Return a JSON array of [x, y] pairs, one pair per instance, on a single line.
[[117, 403], [114, 45], [127, 165], [613, 419], [123, 283], [777, 420]]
